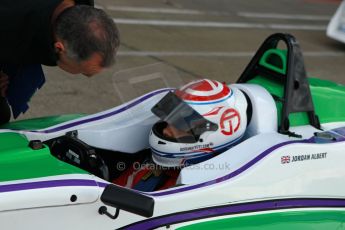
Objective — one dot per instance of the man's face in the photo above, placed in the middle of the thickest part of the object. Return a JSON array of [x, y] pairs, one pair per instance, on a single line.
[[172, 132], [88, 67]]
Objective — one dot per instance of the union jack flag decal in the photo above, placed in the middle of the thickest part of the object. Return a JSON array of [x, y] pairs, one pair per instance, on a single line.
[[285, 159]]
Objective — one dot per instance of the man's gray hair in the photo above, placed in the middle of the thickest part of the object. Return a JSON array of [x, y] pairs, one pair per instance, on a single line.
[[87, 30]]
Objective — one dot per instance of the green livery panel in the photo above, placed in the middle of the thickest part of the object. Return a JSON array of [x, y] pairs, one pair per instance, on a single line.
[[306, 220], [19, 161]]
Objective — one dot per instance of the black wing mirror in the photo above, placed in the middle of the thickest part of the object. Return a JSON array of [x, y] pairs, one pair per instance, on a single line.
[[126, 199]]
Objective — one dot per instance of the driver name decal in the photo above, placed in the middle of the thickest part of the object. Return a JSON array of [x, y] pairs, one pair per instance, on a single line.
[[302, 157]]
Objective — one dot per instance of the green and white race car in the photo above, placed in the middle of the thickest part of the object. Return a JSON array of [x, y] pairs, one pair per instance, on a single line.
[[286, 173]]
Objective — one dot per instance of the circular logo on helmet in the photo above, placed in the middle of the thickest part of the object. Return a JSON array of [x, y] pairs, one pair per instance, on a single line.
[[230, 121], [204, 90]]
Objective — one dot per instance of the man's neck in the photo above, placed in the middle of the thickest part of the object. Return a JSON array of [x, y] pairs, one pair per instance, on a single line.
[[61, 7]]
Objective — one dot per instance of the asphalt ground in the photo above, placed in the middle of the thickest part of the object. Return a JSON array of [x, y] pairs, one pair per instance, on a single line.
[[191, 39]]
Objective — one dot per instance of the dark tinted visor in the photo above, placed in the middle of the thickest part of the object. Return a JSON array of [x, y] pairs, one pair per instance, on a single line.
[[178, 113]]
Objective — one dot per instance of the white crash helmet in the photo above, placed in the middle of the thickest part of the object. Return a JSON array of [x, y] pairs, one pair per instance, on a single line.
[[212, 112]]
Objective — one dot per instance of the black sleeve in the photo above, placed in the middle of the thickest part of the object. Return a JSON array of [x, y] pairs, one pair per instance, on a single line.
[[85, 2]]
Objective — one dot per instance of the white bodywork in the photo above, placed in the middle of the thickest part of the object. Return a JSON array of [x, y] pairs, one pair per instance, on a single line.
[[118, 129], [251, 171]]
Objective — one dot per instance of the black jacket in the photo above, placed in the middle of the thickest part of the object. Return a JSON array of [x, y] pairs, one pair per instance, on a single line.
[[26, 35]]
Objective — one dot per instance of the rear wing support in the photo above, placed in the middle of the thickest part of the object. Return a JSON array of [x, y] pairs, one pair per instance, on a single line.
[[296, 96]]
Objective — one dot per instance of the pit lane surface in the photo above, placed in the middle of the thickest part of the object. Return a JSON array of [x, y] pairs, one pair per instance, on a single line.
[[200, 38]]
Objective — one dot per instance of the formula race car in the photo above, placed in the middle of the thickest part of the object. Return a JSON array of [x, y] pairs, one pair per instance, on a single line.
[[287, 171]]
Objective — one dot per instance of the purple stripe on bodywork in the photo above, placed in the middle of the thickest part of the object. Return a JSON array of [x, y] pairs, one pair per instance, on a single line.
[[233, 174], [236, 209], [102, 184], [47, 184], [112, 113], [246, 166]]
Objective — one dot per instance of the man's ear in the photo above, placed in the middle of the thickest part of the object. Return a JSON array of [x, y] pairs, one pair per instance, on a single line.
[[59, 47]]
